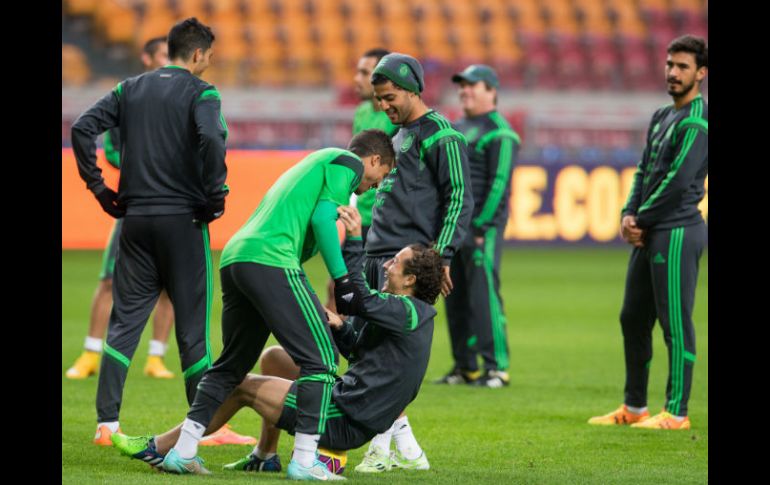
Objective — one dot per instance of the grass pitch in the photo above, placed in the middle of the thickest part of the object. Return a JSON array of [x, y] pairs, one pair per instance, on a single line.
[[562, 307]]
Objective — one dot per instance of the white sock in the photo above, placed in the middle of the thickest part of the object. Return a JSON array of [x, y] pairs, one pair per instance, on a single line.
[[260, 455], [382, 440], [112, 425], [636, 410], [93, 344], [405, 440], [305, 446], [187, 444], [679, 418], [158, 348]]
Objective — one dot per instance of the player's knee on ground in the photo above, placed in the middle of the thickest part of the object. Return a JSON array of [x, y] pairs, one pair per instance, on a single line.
[[275, 361]]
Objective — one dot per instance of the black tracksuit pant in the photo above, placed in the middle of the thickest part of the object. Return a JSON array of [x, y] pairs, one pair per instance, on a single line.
[[157, 252], [660, 283], [258, 300], [474, 309]]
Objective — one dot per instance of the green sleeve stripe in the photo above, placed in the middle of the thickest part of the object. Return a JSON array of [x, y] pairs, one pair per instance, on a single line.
[[210, 93], [118, 90], [688, 141], [446, 133], [499, 185], [694, 122], [112, 155], [117, 356], [696, 109], [439, 120], [197, 367], [440, 243], [224, 124], [633, 186], [355, 238], [411, 312], [456, 198], [500, 132]]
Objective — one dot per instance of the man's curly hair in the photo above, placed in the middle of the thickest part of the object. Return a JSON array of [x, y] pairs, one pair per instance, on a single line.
[[426, 265]]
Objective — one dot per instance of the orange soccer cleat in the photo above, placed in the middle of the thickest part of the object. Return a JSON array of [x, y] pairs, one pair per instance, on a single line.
[[620, 417], [226, 436], [103, 436], [663, 420]]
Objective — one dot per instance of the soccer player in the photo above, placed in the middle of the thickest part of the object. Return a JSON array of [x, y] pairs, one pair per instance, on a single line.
[[367, 116], [399, 323], [154, 56], [662, 221], [264, 291], [475, 309], [425, 200], [172, 185]]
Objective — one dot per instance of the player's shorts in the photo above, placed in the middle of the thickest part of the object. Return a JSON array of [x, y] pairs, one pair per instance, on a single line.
[[342, 433], [110, 252]]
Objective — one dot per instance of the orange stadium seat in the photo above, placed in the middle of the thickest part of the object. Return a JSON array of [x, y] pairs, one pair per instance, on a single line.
[[561, 15], [81, 7], [529, 20], [594, 17], [74, 66], [225, 6], [156, 25], [192, 8]]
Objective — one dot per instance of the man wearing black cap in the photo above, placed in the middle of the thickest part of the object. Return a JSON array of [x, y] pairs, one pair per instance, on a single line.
[[474, 309], [426, 199]]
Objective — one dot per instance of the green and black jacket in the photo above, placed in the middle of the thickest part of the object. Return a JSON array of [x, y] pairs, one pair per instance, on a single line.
[[172, 136], [388, 355], [669, 181], [492, 150], [427, 197]]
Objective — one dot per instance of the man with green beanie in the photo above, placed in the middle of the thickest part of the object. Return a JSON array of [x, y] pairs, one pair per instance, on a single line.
[[426, 200]]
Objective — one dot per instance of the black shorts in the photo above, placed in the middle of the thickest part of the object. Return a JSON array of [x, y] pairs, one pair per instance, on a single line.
[[342, 433]]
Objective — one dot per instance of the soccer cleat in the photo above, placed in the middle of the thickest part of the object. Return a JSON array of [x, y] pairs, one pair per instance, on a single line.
[[663, 420], [251, 463], [376, 460], [86, 365], [226, 436], [397, 460], [173, 463], [156, 368], [317, 471], [138, 447], [103, 436], [493, 379], [457, 376], [620, 416]]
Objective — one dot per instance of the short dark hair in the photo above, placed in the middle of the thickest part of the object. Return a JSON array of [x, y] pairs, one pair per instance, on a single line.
[[379, 78], [426, 265], [377, 52], [373, 142], [152, 45], [694, 45], [186, 36]]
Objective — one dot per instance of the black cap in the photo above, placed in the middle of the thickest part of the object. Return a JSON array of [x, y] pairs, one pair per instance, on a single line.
[[478, 72], [402, 70]]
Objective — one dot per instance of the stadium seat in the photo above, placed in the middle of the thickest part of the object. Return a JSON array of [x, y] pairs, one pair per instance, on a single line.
[[75, 70], [80, 7]]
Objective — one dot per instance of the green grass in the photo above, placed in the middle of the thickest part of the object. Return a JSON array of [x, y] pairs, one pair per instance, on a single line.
[[562, 307]]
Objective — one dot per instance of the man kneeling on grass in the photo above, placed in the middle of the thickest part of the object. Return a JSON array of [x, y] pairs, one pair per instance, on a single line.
[[388, 358]]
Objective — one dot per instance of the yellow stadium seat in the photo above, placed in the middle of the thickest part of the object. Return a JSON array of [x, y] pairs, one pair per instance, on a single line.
[[81, 7], [75, 70]]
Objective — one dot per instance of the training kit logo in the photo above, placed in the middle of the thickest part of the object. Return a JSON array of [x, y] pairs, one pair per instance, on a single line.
[[658, 259], [407, 143], [403, 71]]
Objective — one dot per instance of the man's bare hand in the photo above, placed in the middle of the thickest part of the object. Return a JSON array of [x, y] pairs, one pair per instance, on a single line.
[[446, 283], [351, 219], [630, 232], [335, 321]]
